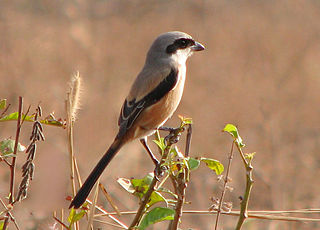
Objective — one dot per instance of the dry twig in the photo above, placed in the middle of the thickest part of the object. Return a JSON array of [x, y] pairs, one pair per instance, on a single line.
[[13, 163]]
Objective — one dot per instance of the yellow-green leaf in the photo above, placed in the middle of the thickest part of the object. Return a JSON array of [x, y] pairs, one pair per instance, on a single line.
[[3, 103], [213, 165], [233, 131]]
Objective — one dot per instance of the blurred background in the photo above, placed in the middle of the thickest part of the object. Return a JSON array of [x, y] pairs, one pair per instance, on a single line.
[[260, 71]]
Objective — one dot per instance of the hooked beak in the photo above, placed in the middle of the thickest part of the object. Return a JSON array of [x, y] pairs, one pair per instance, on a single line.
[[197, 47]]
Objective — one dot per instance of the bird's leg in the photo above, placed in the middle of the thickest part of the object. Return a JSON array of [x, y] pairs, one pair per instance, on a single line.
[[157, 171], [145, 145]]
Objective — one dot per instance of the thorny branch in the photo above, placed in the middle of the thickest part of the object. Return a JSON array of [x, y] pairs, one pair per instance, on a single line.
[[249, 184], [226, 179], [180, 184]]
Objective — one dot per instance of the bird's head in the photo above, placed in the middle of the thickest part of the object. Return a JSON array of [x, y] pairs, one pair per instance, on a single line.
[[176, 46]]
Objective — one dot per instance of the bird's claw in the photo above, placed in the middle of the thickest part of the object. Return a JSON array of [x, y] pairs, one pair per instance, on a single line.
[[173, 137]]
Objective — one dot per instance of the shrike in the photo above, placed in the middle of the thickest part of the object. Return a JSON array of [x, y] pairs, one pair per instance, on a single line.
[[153, 98]]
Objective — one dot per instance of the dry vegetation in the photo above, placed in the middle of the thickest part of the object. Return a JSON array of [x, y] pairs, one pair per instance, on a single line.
[[260, 71]]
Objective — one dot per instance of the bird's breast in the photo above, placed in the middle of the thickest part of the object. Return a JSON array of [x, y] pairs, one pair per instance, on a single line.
[[157, 114]]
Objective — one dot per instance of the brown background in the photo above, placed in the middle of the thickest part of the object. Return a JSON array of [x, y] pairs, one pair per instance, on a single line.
[[260, 71]]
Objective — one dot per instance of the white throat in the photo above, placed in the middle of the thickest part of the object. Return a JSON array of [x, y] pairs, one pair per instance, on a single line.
[[181, 56]]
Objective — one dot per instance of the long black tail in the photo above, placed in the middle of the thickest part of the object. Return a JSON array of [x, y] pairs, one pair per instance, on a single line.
[[84, 191]]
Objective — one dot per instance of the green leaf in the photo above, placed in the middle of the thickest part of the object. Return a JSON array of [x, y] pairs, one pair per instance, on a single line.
[[146, 181], [160, 143], [233, 131], [14, 117], [193, 163], [71, 215], [155, 198], [47, 121], [74, 216], [139, 187], [156, 215], [1, 225], [3, 103], [7, 147], [213, 165], [58, 123]]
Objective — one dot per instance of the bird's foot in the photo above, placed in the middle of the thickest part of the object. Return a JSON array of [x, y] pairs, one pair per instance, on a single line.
[[174, 136]]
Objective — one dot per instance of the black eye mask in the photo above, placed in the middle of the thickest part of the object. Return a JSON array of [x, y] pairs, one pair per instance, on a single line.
[[181, 43]]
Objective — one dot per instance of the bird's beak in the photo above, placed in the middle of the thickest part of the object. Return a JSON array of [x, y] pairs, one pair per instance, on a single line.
[[197, 47]]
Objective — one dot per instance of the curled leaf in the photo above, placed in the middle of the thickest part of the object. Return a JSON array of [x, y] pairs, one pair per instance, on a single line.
[[233, 131], [213, 165]]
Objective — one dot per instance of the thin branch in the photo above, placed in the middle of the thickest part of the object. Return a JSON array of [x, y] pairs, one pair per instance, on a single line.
[[60, 222], [108, 223], [224, 186], [188, 141], [5, 110], [251, 214], [77, 171], [105, 213], [70, 123], [249, 183], [13, 163], [145, 199], [25, 115], [171, 138], [108, 197], [70, 141], [9, 213], [3, 158], [62, 217], [92, 209], [180, 183]]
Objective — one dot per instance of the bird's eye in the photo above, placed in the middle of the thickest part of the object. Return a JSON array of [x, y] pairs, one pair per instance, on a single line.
[[183, 43]]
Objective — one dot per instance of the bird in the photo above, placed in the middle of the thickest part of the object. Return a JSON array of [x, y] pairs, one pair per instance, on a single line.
[[153, 98]]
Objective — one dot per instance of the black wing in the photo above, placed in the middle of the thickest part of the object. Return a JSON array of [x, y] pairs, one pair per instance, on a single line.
[[132, 109]]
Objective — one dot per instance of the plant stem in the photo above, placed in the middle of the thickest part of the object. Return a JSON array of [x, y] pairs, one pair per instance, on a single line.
[[180, 184], [224, 186], [13, 163], [145, 200], [188, 141], [10, 215], [151, 189], [109, 199], [70, 142], [249, 183], [93, 205]]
